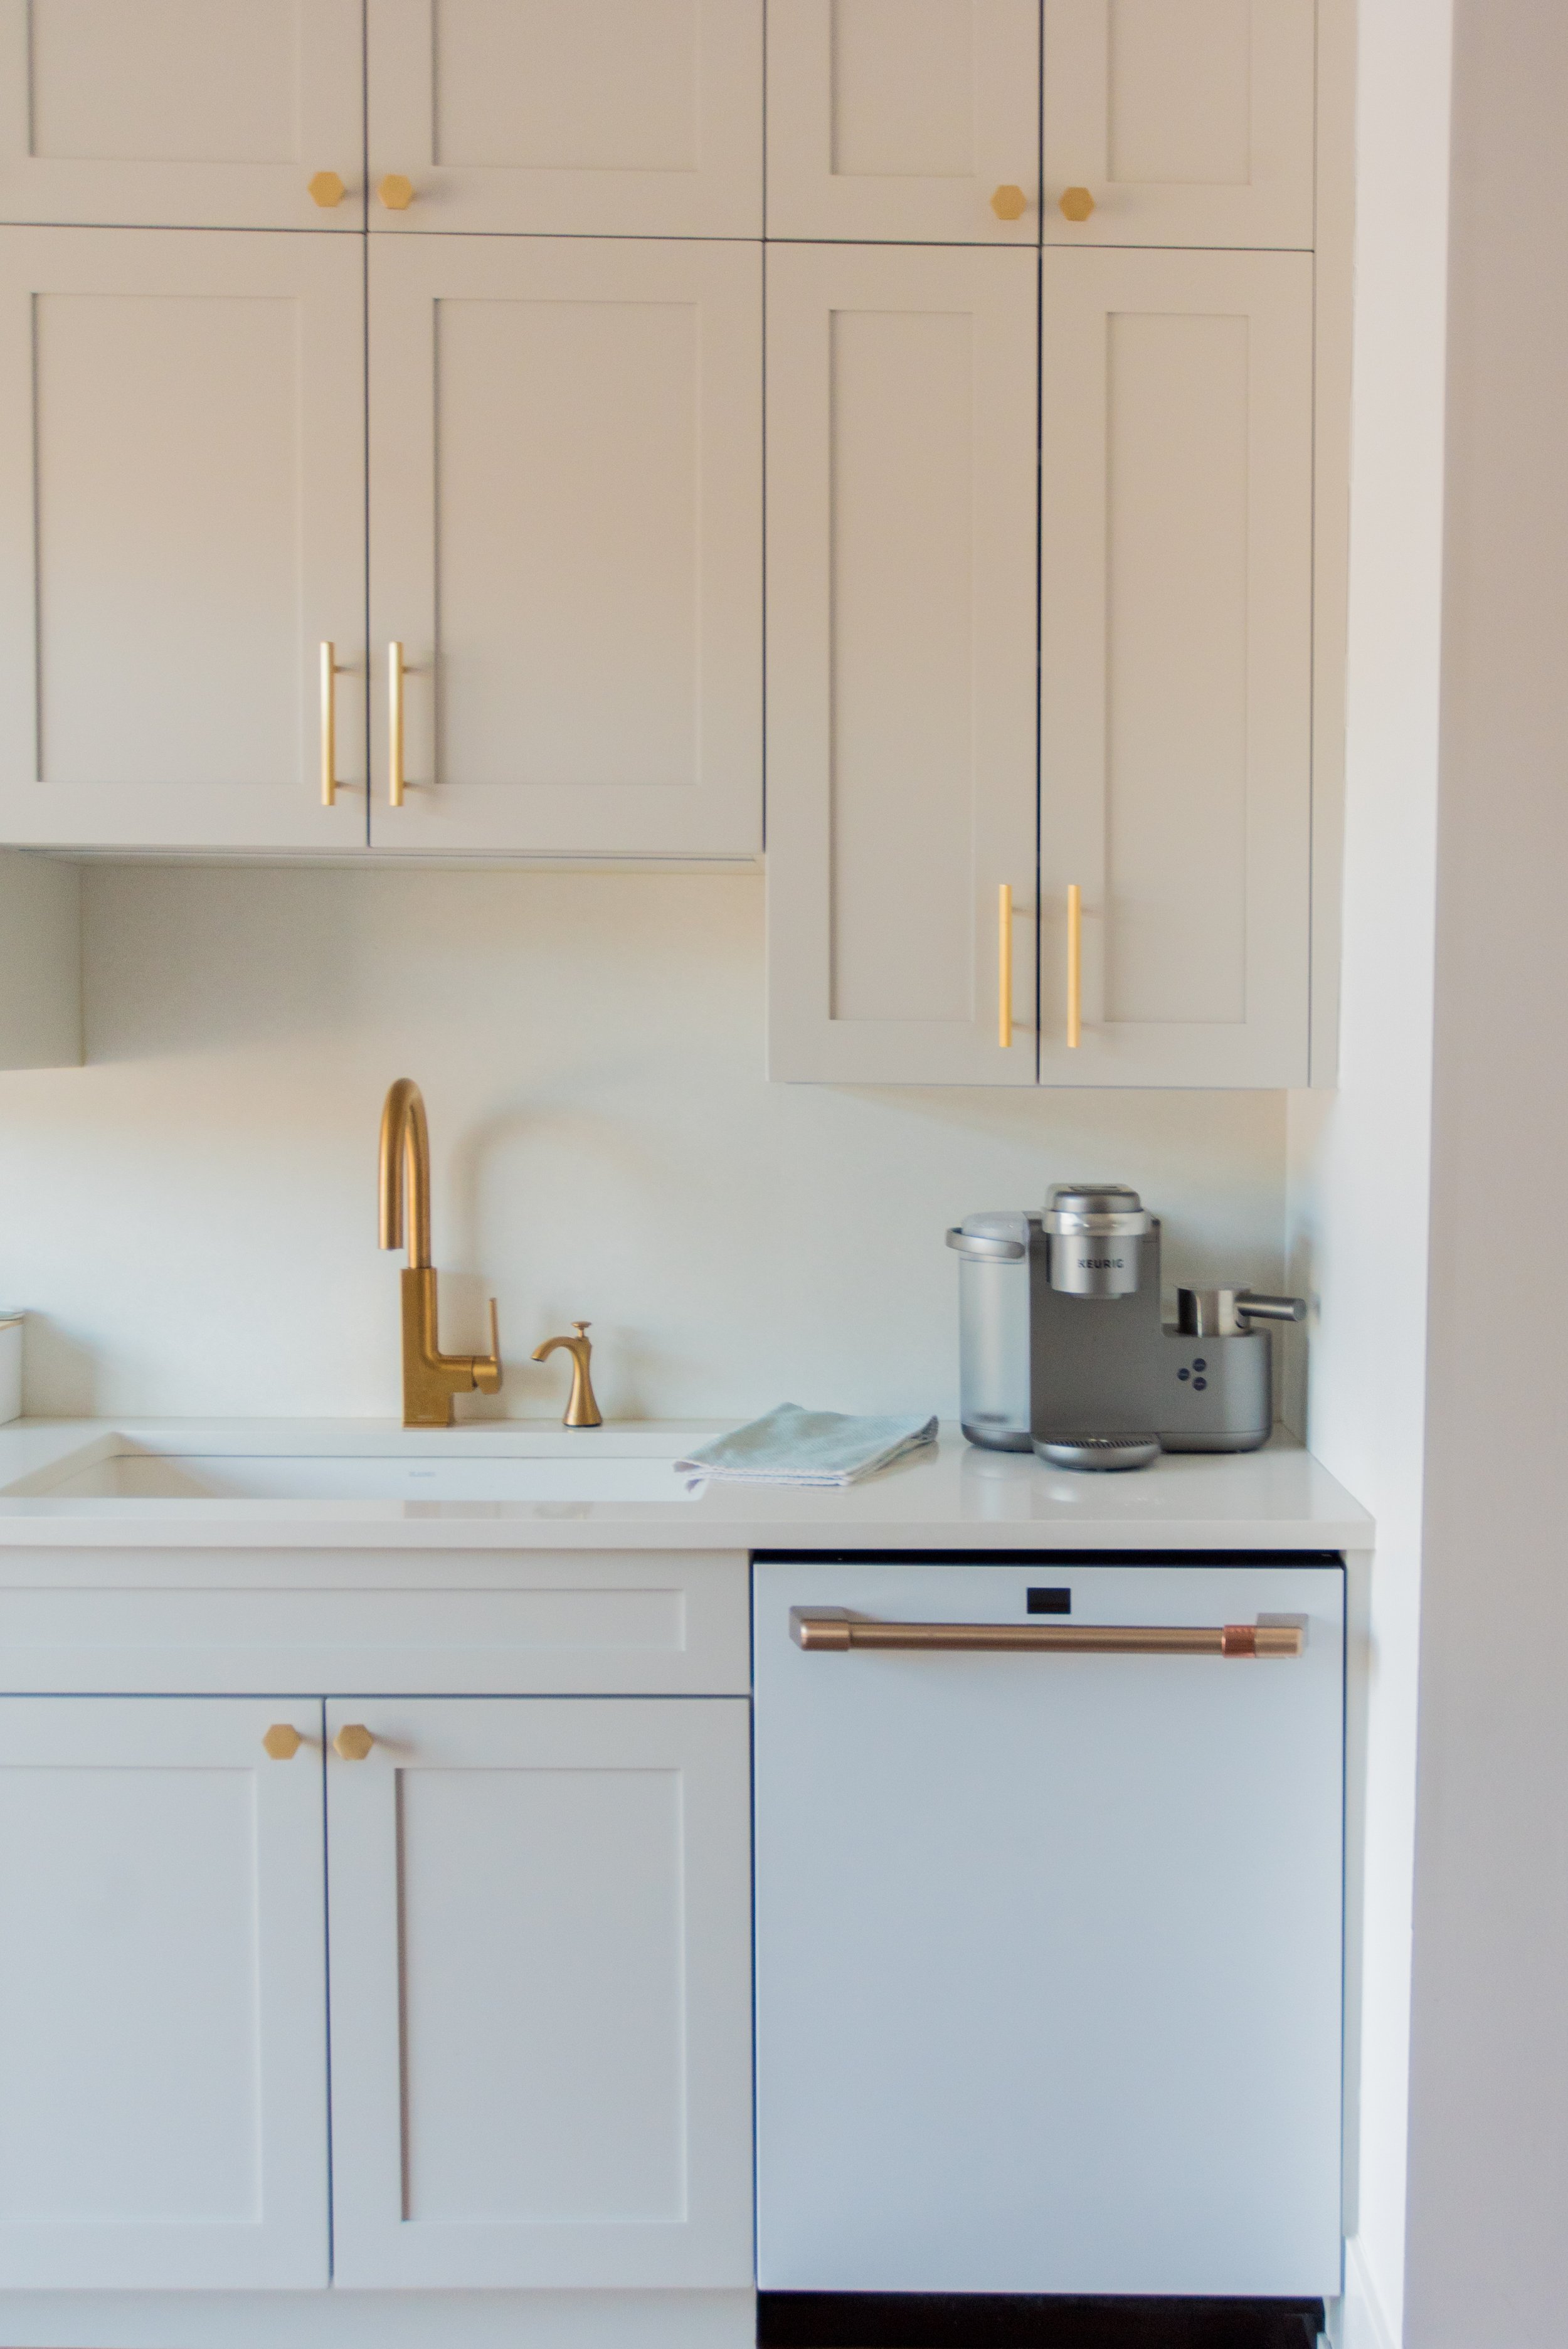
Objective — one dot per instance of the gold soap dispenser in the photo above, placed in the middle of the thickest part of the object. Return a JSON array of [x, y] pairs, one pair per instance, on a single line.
[[430, 1378]]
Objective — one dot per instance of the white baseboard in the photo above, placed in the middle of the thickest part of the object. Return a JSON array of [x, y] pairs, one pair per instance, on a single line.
[[1359, 2320], [379, 2320]]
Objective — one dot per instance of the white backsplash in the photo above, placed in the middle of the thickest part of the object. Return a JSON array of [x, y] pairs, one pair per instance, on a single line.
[[192, 1217]]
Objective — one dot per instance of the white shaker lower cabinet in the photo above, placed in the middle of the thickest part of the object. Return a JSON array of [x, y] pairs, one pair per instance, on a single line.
[[182, 529], [163, 1995], [566, 433], [541, 1993], [901, 662], [1176, 661]]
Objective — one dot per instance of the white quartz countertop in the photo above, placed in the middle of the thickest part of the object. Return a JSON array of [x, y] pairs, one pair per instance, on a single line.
[[949, 1496]]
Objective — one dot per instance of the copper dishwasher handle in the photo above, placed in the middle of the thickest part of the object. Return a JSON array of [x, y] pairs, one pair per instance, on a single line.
[[833, 1629]]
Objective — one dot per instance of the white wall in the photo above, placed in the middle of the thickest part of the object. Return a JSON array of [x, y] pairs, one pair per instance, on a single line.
[[192, 1214], [1488, 2231], [1360, 1181]]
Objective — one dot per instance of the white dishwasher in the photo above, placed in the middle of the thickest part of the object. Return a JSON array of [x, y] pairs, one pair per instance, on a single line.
[[1049, 1899]]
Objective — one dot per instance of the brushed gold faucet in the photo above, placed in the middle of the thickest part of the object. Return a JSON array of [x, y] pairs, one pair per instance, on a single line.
[[430, 1378], [581, 1409]]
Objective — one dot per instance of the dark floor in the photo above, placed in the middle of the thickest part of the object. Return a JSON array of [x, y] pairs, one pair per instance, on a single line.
[[805, 2320]]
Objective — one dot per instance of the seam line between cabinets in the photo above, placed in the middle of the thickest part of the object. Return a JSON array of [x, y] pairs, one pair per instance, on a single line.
[[1039, 617], [326, 1986], [364, 363]]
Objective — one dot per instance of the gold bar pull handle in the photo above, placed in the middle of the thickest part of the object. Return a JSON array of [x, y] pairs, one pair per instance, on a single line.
[[330, 672], [395, 672], [835, 1630], [1075, 966], [1005, 965]]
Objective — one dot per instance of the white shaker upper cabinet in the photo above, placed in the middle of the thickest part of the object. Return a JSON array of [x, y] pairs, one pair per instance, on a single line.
[[901, 665], [182, 529], [566, 435], [1185, 121], [183, 113], [599, 117], [163, 1995], [900, 120], [1176, 643], [541, 1993]]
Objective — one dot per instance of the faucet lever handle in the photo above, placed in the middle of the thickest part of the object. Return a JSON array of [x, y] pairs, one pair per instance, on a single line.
[[487, 1368]]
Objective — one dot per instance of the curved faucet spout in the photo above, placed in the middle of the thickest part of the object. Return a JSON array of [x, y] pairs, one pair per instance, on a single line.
[[406, 1172], [430, 1378]]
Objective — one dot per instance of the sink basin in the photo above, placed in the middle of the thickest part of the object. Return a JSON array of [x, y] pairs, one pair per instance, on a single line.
[[149, 1475]]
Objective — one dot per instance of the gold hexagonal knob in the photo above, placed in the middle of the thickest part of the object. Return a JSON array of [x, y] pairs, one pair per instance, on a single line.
[[396, 193], [325, 189], [1009, 204], [353, 1741], [1076, 203], [283, 1741]]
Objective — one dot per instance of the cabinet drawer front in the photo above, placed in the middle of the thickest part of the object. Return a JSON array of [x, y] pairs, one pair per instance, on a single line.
[[162, 1983], [596, 1623], [541, 1993]]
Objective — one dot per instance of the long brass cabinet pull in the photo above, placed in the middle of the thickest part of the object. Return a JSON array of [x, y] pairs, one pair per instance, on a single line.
[[833, 1630], [1075, 966], [330, 672], [1005, 965], [395, 676]]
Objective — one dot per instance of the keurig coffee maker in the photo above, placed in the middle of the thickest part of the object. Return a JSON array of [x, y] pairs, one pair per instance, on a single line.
[[1063, 1350]]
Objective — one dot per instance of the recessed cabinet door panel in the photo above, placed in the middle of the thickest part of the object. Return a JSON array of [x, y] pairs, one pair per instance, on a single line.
[[181, 113], [566, 525], [609, 117], [1188, 121], [182, 527], [163, 1995], [541, 1993], [900, 119], [900, 678], [1176, 643]]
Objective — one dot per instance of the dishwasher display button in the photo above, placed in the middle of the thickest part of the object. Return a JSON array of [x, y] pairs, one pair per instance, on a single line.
[[1050, 1602]]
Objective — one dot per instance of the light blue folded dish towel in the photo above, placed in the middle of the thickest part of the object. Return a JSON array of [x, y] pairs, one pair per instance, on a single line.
[[791, 1446]]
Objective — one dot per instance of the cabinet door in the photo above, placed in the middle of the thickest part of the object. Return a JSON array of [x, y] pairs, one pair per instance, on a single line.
[[566, 434], [1188, 121], [181, 113], [900, 663], [162, 1994], [542, 1992], [898, 120], [1176, 641], [182, 527], [618, 118]]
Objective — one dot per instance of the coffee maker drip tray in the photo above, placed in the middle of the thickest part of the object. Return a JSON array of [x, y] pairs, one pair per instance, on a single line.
[[1097, 1451]]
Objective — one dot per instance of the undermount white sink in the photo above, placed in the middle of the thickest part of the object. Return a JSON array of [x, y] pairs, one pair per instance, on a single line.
[[139, 1474]]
